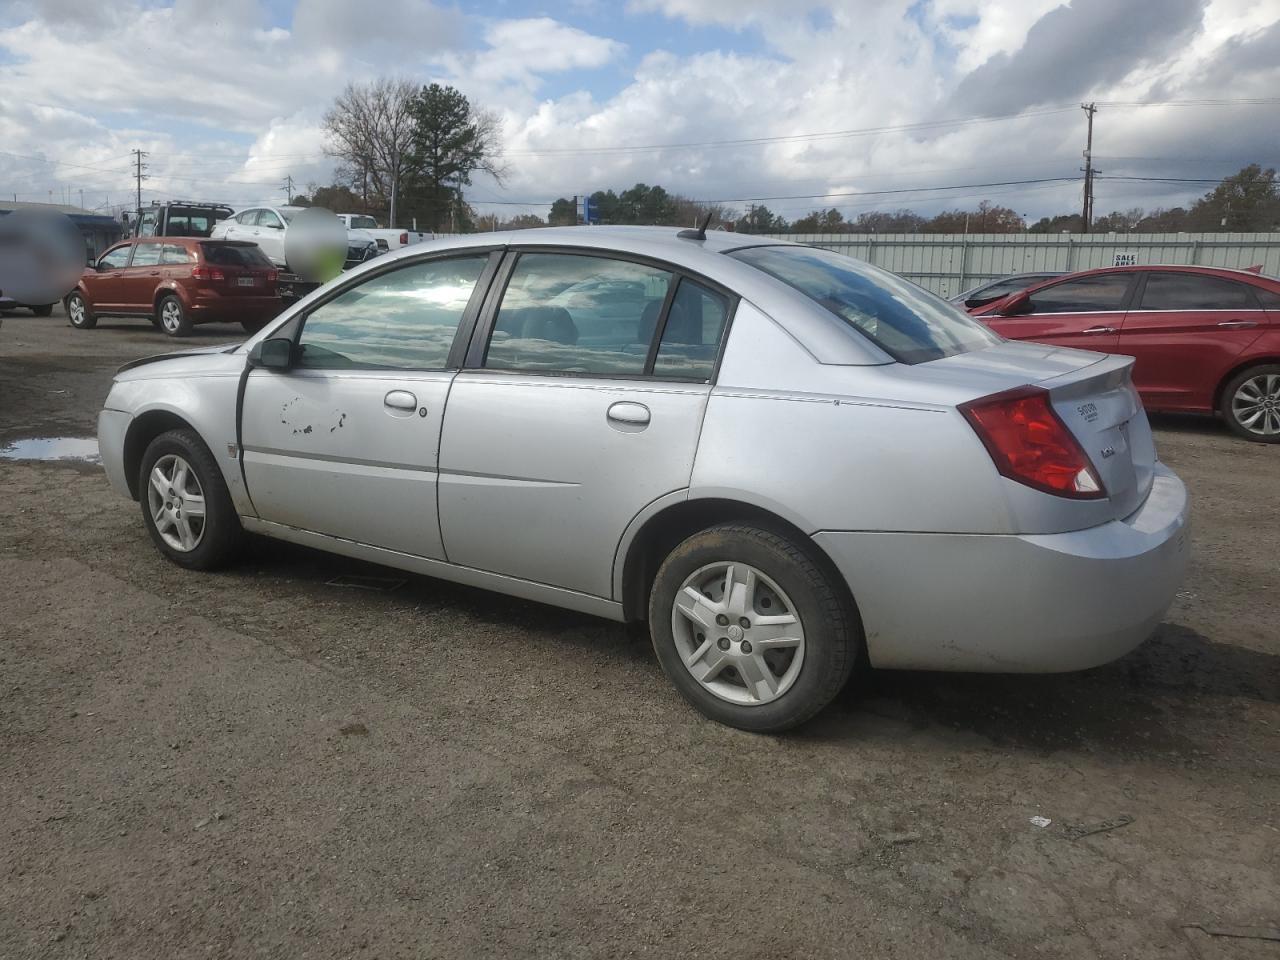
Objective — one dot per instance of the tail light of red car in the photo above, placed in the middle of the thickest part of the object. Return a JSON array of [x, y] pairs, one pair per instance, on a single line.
[[1029, 443], [404, 239], [208, 274]]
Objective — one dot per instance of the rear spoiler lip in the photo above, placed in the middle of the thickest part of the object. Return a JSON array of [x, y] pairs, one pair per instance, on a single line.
[[1112, 368]]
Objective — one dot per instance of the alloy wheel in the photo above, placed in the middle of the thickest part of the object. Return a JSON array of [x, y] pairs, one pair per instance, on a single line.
[[1256, 404], [177, 503], [75, 308], [171, 316], [737, 633]]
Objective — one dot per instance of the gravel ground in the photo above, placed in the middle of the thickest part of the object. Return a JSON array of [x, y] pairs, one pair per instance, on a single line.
[[254, 763]]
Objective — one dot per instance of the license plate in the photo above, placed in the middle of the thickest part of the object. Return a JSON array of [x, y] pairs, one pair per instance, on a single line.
[[246, 281]]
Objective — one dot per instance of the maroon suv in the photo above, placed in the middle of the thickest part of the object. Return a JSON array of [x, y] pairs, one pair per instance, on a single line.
[[178, 282]]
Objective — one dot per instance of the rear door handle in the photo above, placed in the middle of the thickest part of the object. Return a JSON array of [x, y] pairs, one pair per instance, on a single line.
[[1238, 324], [401, 400], [625, 412], [1099, 330]]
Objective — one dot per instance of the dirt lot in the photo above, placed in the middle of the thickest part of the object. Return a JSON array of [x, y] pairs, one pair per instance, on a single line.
[[257, 764]]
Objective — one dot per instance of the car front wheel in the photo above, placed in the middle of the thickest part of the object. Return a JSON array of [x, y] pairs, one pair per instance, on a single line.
[[78, 313], [1251, 403], [185, 503], [751, 629], [173, 317]]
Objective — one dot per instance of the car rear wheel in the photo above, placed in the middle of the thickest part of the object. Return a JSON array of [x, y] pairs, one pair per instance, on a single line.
[[44, 310], [1251, 404], [252, 326], [173, 317], [185, 504], [78, 313], [751, 629]]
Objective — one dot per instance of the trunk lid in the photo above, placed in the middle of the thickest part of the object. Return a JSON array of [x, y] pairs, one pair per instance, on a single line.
[[1094, 396]]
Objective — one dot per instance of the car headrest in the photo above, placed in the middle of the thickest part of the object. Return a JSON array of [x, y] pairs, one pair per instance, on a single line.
[[548, 323]]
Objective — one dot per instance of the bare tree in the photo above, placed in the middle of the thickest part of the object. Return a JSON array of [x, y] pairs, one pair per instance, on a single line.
[[370, 130]]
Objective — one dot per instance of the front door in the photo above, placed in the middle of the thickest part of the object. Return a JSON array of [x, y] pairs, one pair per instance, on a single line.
[[106, 285], [579, 408], [1085, 312], [345, 443], [1185, 332]]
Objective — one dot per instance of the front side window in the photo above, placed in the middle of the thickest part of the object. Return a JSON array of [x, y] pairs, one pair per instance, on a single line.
[[1100, 292], [906, 321], [402, 320], [1190, 291], [691, 338], [115, 259], [577, 314], [146, 255]]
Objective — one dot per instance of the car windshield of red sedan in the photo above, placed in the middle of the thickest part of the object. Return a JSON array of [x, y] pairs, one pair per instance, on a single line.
[[904, 320]]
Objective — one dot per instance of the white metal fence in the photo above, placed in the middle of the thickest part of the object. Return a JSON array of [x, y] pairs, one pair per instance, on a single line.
[[949, 263]]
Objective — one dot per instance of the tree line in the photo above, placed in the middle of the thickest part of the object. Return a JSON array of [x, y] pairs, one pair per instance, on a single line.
[[406, 153]]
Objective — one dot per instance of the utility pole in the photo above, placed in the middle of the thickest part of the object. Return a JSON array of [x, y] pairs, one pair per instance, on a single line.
[[1086, 214], [288, 187], [138, 167]]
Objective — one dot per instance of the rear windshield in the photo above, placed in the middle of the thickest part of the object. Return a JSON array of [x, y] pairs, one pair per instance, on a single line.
[[364, 223], [906, 321], [235, 255]]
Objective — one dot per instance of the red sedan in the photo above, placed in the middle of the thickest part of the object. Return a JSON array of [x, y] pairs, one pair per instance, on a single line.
[[1205, 339], [177, 282]]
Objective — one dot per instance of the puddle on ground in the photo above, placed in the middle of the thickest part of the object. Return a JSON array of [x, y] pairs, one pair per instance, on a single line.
[[83, 449]]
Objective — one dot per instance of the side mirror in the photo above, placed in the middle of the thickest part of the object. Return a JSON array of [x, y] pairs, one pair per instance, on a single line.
[[274, 354], [1017, 304]]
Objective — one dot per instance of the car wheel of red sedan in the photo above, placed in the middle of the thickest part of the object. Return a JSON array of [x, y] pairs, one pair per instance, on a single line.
[[173, 317], [79, 314], [1251, 404]]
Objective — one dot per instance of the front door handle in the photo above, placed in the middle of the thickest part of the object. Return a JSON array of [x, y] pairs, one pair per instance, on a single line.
[[1238, 324], [1100, 330], [636, 413], [401, 400]]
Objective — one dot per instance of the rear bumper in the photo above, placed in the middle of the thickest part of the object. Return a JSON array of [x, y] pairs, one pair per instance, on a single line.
[[112, 427], [216, 309], [1018, 604]]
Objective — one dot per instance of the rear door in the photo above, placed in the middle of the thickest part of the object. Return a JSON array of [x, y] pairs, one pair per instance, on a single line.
[[1085, 312], [580, 404], [142, 277], [345, 443], [1185, 331]]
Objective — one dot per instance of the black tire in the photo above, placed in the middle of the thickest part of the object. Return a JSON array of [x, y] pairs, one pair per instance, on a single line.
[[172, 316], [252, 326], [1270, 404], [78, 313], [221, 534], [44, 310], [832, 632]]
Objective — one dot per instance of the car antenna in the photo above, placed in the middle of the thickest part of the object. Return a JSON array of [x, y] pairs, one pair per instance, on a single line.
[[700, 233]]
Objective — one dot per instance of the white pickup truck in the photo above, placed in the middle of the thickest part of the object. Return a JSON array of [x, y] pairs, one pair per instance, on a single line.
[[386, 238]]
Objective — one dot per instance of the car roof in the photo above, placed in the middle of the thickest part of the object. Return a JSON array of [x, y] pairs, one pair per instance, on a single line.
[[1234, 273]]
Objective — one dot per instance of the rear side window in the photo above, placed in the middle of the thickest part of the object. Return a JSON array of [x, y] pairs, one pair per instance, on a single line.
[[691, 338], [577, 314], [403, 320], [234, 255], [1103, 291], [146, 255], [174, 253], [907, 322], [1190, 291]]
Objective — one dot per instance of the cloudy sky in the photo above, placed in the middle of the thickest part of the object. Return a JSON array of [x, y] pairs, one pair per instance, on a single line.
[[842, 101]]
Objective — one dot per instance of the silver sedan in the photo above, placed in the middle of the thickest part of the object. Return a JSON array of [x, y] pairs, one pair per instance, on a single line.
[[790, 463]]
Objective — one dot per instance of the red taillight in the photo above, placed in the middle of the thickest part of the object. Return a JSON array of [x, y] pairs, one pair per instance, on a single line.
[[404, 239], [1030, 444], [273, 276], [207, 273]]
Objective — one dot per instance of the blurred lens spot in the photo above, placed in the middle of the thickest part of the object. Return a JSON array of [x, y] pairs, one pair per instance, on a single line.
[[316, 244], [42, 255]]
